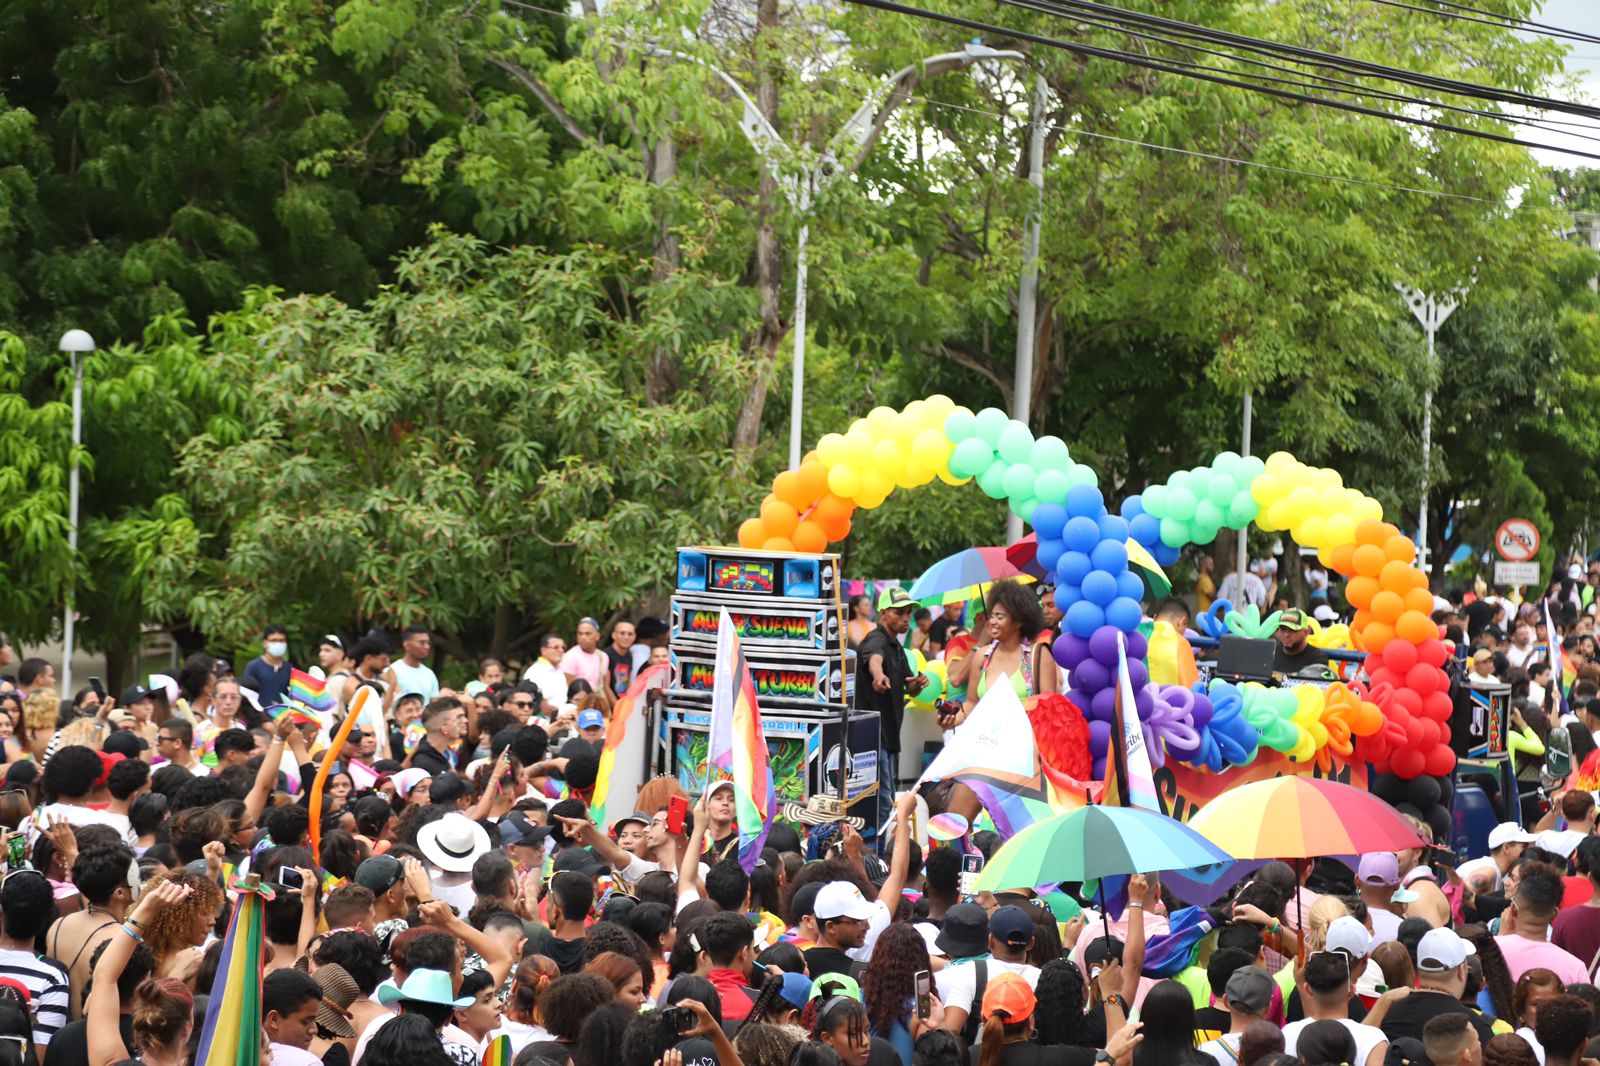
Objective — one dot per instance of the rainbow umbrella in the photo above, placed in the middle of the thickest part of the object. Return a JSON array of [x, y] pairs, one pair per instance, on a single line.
[[231, 1035], [1094, 842], [964, 576]]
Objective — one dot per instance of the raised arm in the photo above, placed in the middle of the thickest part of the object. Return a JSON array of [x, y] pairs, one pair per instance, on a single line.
[[496, 959], [584, 832], [689, 866], [105, 1033], [267, 776], [900, 861], [1140, 893]]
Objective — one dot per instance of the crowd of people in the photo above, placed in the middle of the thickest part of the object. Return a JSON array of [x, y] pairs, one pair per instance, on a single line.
[[456, 890]]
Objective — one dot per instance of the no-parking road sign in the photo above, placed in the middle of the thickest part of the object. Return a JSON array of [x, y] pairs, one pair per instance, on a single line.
[[1517, 540]]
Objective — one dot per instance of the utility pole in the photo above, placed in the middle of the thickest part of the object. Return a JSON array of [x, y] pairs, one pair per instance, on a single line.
[[77, 344], [1430, 312], [1028, 286], [1244, 534]]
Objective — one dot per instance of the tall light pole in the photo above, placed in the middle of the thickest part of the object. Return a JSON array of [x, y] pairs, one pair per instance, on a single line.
[[76, 343], [801, 179], [1244, 534], [1430, 312], [1028, 284]]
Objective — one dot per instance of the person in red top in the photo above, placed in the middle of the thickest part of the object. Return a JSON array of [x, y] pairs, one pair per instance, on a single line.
[[729, 940], [1577, 929]]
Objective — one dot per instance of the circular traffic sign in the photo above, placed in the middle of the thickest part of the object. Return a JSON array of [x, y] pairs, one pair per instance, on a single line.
[[1517, 540]]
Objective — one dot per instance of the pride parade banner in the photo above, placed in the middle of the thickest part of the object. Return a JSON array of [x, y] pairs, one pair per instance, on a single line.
[[758, 623]]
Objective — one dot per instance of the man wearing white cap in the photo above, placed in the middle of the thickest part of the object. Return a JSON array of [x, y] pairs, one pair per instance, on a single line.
[[1507, 842], [847, 923], [1327, 984], [1378, 878], [1441, 978]]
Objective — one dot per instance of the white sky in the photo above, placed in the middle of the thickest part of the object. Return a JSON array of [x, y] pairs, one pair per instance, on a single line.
[[1582, 16]]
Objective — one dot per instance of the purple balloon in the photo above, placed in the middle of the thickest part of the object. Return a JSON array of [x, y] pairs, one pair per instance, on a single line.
[[1100, 743], [1091, 675], [1073, 567], [1138, 674], [1099, 769], [1103, 645], [1099, 588], [1104, 704], [1201, 714], [1137, 645], [1081, 534], [1070, 650], [1079, 700], [1144, 701]]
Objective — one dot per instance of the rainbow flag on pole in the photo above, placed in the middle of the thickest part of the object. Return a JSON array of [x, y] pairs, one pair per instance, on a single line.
[[737, 746], [1562, 673], [621, 715], [231, 1035], [311, 691]]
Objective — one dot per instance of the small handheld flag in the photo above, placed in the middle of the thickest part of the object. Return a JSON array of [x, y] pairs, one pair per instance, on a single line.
[[621, 717], [311, 691], [231, 1034], [737, 744]]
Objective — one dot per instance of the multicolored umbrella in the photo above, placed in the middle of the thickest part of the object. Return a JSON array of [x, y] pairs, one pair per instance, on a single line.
[[963, 576], [1302, 817], [1094, 842]]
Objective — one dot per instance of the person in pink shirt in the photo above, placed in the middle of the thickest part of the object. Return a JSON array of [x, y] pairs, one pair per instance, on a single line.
[[587, 661], [1525, 930]]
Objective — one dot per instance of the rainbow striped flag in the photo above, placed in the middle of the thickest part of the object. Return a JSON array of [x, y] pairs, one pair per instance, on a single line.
[[299, 713], [621, 716], [498, 1053], [231, 1035], [1561, 669], [737, 746], [311, 691]]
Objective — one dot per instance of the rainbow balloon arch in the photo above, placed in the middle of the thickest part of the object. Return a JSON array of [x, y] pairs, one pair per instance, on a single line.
[[1397, 721]]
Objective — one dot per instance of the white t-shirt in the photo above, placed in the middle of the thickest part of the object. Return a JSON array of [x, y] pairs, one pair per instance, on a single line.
[[285, 1055], [1468, 869], [1533, 1041], [1255, 590], [551, 681], [1225, 1049], [41, 818], [1367, 1038], [366, 1034], [958, 984], [521, 1033], [1519, 657]]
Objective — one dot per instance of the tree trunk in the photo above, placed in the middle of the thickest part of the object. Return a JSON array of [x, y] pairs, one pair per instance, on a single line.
[[1291, 574], [122, 662], [501, 629], [769, 257], [661, 376]]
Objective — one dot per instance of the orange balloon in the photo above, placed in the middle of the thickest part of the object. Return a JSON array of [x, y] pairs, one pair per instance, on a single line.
[[1419, 600], [1416, 627], [780, 518], [786, 487], [1360, 590], [778, 544], [752, 533], [1373, 532], [830, 508], [809, 537], [813, 481], [1368, 558], [1395, 576], [1419, 580], [1387, 606], [1401, 548], [1361, 620], [837, 529], [1341, 559], [1375, 636]]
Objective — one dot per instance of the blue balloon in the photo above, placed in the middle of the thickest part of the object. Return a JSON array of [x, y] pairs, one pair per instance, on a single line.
[[1113, 528], [1110, 556], [1066, 596], [1048, 521], [1085, 501], [1130, 586], [1081, 534], [1165, 555], [1145, 529], [1073, 567], [1050, 552], [1124, 613], [1083, 618], [1133, 507], [1099, 588]]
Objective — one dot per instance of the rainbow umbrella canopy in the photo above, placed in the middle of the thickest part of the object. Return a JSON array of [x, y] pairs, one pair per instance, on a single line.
[[963, 576], [1094, 842], [1298, 817]]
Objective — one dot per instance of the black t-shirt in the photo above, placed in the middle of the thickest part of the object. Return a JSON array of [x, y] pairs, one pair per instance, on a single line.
[[336, 1055], [1027, 1053], [939, 632], [890, 705], [1478, 613], [882, 1053], [825, 960], [1295, 1011], [619, 674], [70, 1045], [1210, 1023], [566, 954], [698, 1051], [1406, 1017], [1285, 663]]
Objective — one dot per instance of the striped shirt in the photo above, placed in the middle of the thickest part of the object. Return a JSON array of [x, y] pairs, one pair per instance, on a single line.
[[48, 986]]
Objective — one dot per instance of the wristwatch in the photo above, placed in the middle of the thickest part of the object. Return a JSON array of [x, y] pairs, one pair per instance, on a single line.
[[1103, 1055], [1115, 1000]]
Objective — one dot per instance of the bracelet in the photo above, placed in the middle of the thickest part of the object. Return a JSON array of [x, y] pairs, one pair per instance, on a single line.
[[1132, 903], [1115, 1000], [131, 931], [136, 923], [1276, 925]]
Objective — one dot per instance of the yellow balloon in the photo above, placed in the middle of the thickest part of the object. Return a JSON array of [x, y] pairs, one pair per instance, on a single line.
[[1267, 490], [831, 449], [1311, 531], [882, 421], [1279, 462], [858, 445], [844, 481], [950, 479], [888, 459], [875, 484]]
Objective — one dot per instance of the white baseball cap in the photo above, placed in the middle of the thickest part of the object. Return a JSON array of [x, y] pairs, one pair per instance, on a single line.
[[1441, 950], [841, 899], [1349, 936], [1324, 614], [1509, 833]]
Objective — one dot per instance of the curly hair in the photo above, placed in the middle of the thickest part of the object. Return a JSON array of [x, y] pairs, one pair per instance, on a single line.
[[765, 1045], [1021, 604], [170, 929], [889, 983], [39, 710], [1059, 1018]]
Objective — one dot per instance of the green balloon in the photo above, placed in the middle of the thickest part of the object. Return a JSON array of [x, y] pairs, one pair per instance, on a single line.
[[1202, 534], [1083, 475], [1051, 486], [1019, 480], [992, 480], [1049, 453], [1207, 513], [1023, 507], [989, 423], [1016, 443], [959, 425], [1181, 503], [1174, 534], [1221, 490], [1242, 509], [1250, 468], [970, 458]]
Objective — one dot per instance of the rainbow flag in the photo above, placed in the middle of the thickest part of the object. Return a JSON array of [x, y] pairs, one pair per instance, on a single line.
[[297, 712], [621, 716], [311, 691], [1561, 669], [498, 1053], [737, 745], [231, 1035]]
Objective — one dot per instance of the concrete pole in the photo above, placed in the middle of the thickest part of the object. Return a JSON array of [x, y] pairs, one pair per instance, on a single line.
[[1028, 286]]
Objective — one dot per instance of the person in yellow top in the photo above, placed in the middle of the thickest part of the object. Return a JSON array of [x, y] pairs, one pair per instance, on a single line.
[[1205, 587]]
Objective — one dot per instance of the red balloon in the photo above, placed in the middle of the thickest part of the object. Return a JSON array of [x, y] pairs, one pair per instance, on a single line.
[[1422, 679], [1427, 733], [1408, 763], [1385, 676], [1399, 656], [1438, 706], [1441, 761], [1433, 652], [1409, 700]]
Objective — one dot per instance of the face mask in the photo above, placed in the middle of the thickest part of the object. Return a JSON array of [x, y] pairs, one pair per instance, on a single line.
[[277, 648]]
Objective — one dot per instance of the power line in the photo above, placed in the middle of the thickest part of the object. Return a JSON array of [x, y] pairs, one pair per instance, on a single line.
[[1133, 59], [1487, 19]]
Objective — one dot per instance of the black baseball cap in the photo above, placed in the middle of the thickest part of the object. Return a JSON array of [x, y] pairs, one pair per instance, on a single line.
[[965, 932], [125, 742], [515, 828], [446, 788], [379, 873], [1011, 926], [131, 695], [578, 860]]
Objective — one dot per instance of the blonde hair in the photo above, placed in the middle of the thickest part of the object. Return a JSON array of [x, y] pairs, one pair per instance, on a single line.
[[39, 712], [1322, 914], [171, 927], [83, 732]]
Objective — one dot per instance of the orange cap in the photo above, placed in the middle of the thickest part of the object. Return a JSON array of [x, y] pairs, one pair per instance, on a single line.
[[1009, 996]]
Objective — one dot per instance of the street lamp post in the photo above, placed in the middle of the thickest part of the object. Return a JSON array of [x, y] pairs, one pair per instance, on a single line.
[[801, 182], [76, 343], [1430, 312]]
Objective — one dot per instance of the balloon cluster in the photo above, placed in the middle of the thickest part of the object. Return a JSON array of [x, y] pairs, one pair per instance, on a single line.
[[1145, 528], [811, 507], [1310, 502], [1427, 798], [1194, 504], [1222, 724], [1009, 463], [937, 686]]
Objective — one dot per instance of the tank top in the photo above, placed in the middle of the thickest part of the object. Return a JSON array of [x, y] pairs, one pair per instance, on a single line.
[[1021, 682]]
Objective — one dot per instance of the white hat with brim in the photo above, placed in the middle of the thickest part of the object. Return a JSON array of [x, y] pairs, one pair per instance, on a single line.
[[841, 899], [1441, 950], [424, 986], [453, 843], [1509, 833]]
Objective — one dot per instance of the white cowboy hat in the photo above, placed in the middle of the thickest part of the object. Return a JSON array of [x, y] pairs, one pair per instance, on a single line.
[[453, 843]]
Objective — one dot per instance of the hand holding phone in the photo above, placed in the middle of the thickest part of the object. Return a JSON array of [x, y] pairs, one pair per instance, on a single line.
[[677, 811], [924, 986], [971, 867]]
